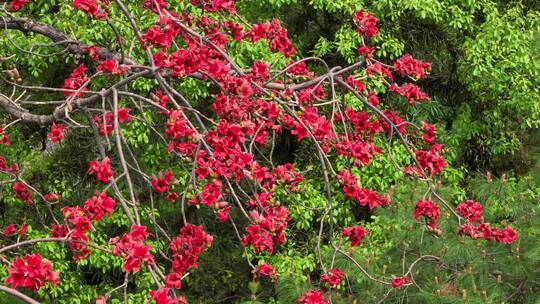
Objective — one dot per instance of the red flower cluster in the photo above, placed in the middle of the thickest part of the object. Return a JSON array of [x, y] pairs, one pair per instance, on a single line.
[[361, 122], [161, 296], [333, 277], [11, 229], [473, 211], [210, 195], [112, 67], [366, 51], [91, 7], [93, 52], [268, 229], [286, 174], [430, 132], [57, 132], [132, 249], [361, 151], [431, 160], [408, 66], [161, 183], [105, 122], [161, 34], [215, 5], [366, 23], [4, 138], [17, 5], [81, 224], [177, 129], [186, 249], [488, 233], [364, 197], [59, 231], [77, 217], [410, 91], [102, 169], [470, 210], [398, 282], [378, 69], [22, 193], [76, 80], [428, 210], [276, 36], [32, 272], [155, 5], [355, 234], [399, 122], [96, 206], [5, 168], [312, 297]]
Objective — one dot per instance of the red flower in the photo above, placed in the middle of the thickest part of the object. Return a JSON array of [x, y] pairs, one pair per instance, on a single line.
[[215, 5], [51, 197], [16, 5], [161, 296], [365, 197], [259, 70], [506, 235], [235, 29], [398, 282], [32, 272], [431, 160], [429, 133], [265, 270], [429, 210], [4, 139], [96, 206], [408, 66], [471, 210], [9, 230], [102, 169], [111, 66], [268, 228], [132, 249], [366, 24], [93, 52], [355, 234], [276, 36], [155, 5], [312, 297], [91, 8], [365, 51], [123, 115], [409, 91], [101, 300], [171, 197], [76, 80], [22, 193], [333, 277], [161, 183], [378, 69], [22, 230], [57, 132], [59, 231], [223, 214], [188, 246], [173, 279]]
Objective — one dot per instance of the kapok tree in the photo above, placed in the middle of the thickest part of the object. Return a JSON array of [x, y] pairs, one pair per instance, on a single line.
[[228, 148]]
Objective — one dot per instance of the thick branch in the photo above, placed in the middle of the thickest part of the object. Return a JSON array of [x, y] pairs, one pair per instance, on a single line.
[[18, 294]]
